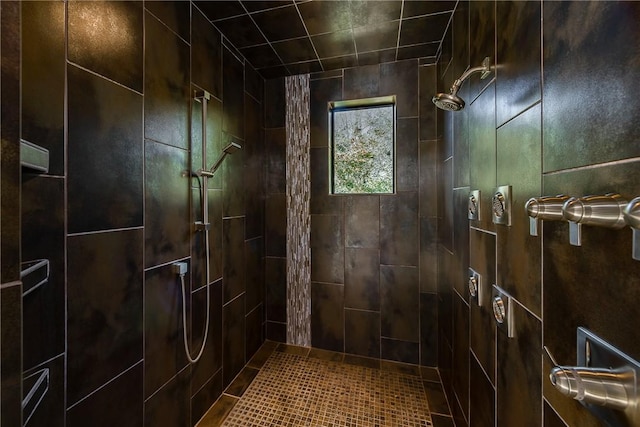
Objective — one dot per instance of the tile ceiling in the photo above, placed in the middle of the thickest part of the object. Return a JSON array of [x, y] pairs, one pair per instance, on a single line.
[[286, 37]]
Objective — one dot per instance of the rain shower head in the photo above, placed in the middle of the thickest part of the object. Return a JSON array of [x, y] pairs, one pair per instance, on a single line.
[[448, 102], [451, 101]]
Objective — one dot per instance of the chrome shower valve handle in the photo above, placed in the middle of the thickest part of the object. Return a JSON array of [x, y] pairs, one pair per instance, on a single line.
[[545, 208]]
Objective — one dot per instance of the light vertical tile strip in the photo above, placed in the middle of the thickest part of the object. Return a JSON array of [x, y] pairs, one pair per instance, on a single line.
[[298, 216]]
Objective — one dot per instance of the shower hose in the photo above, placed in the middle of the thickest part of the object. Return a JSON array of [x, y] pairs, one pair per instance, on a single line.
[[184, 309]]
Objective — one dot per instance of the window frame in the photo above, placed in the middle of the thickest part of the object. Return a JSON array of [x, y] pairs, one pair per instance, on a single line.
[[358, 104]]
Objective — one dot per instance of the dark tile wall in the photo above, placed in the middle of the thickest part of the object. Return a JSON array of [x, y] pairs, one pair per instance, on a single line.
[[542, 139], [114, 107], [11, 291], [373, 258]]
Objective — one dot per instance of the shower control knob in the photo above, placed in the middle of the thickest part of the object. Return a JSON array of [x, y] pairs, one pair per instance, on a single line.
[[473, 286], [501, 205], [499, 311], [632, 218], [473, 206], [599, 210], [547, 208]]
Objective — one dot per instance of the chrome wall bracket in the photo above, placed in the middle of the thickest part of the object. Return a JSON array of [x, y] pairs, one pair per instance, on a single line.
[[605, 380], [474, 206], [475, 287], [502, 305], [632, 217], [501, 205], [600, 210], [547, 208]]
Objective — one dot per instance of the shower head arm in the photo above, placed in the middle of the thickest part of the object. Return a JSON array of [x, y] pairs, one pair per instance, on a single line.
[[232, 147], [485, 69]]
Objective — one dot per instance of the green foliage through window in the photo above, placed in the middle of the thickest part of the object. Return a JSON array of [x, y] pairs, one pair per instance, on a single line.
[[363, 149]]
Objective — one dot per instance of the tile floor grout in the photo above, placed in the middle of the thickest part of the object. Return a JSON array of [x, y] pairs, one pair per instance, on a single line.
[[290, 385]]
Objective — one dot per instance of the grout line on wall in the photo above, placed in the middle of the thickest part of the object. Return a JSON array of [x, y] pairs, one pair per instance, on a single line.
[[111, 230], [362, 310], [130, 368], [525, 308], [144, 138], [169, 28], [10, 284], [482, 368], [231, 300], [481, 230], [544, 399], [593, 166], [167, 382], [461, 297], [68, 62], [524, 110]]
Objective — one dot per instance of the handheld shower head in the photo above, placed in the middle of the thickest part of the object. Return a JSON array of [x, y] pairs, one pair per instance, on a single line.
[[229, 149], [232, 148], [451, 101]]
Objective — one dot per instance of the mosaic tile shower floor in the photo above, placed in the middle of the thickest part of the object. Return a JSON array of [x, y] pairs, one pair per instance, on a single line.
[[295, 390]]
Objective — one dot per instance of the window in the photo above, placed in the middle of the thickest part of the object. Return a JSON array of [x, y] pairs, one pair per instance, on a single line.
[[362, 154]]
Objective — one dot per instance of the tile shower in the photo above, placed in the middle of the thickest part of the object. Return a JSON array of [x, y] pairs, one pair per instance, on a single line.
[[113, 105]]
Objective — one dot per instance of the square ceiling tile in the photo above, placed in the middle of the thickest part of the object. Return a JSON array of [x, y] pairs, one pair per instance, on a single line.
[[325, 16], [295, 50], [339, 43], [376, 37], [241, 31], [425, 29], [280, 24], [365, 12]]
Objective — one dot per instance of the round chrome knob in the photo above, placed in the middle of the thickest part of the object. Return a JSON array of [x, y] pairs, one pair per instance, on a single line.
[[499, 311]]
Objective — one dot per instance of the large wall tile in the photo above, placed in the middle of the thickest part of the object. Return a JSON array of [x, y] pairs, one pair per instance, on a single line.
[[407, 154], [461, 241], [518, 379], [362, 332], [233, 258], [400, 351], [10, 358], [51, 410], [276, 288], [163, 340], [170, 405], [482, 153], [275, 147], [362, 279], [110, 47], [274, 115], [518, 84], [105, 180], [581, 124], [214, 139], [362, 221], [43, 310], [175, 15], [232, 94], [322, 92], [461, 353], [428, 119], [519, 264], [43, 78], [104, 309], [428, 254], [211, 360], [399, 302], [327, 231], [327, 316], [166, 204], [233, 332], [482, 324], [401, 79], [428, 329], [276, 225], [254, 272], [361, 82], [321, 201], [482, 30], [481, 412], [328, 265], [166, 85], [399, 229]]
